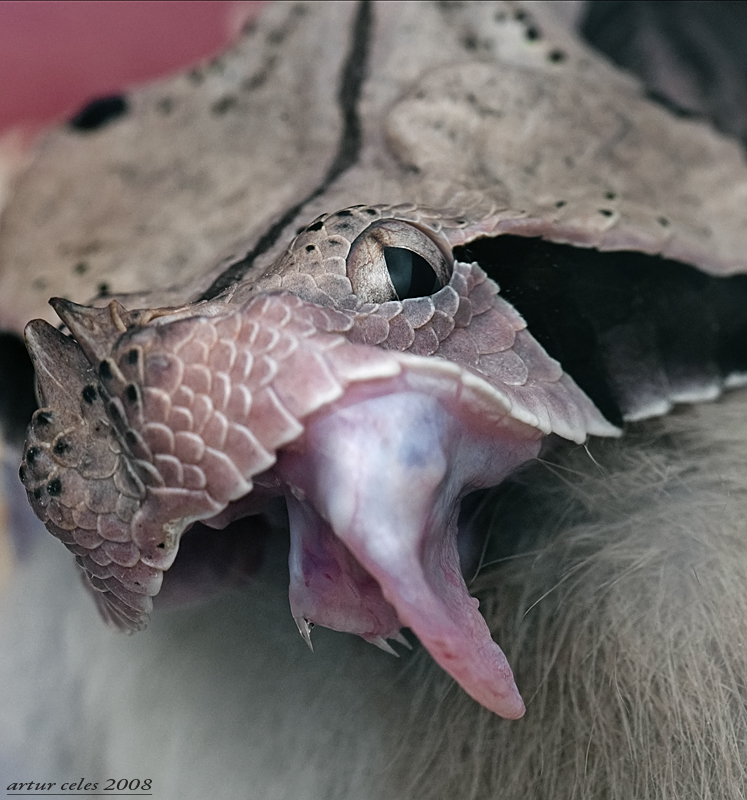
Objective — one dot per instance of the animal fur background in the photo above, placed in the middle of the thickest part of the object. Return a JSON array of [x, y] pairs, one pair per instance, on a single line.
[[617, 586]]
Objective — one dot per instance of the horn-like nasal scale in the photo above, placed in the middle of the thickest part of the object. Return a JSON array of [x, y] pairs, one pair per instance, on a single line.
[[59, 364], [95, 329], [384, 477]]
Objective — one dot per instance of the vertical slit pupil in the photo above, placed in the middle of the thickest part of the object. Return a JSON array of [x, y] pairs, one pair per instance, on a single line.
[[411, 275]]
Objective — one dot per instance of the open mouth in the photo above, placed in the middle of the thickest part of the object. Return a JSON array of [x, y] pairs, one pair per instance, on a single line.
[[154, 421], [370, 382]]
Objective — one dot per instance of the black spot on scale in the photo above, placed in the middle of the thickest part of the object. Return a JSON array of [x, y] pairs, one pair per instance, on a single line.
[[105, 370], [89, 393], [133, 356], [31, 455], [43, 417], [99, 113], [556, 56], [133, 441], [165, 105], [469, 42], [276, 36], [254, 82], [54, 487], [315, 226], [131, 393], [115, 415], [310, 248], [223, 105]]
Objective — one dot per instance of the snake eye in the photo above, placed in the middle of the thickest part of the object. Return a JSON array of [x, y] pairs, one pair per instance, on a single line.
[[411, 275], [394, 260]]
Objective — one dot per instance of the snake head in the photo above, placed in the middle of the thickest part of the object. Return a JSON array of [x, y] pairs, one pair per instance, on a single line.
[[371, 416]]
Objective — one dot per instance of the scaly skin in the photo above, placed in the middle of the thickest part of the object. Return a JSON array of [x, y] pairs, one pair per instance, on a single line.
[[161, 418]]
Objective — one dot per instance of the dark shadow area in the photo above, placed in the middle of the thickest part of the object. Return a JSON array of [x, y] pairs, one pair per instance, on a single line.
[[17, 399], [634, 331], [691, 54]]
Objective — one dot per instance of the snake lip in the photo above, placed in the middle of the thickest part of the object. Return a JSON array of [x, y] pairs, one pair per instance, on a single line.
[[154, 421]]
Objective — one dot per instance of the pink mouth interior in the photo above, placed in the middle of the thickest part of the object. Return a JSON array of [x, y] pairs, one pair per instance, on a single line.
[[373, 491]]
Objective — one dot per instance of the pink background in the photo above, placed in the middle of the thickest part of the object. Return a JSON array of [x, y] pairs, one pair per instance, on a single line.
[[56, 55]]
